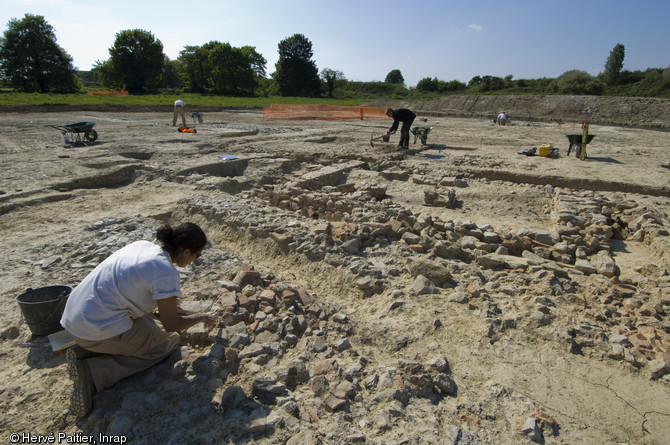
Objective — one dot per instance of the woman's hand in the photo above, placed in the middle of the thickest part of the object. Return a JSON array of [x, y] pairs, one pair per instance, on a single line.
[[208, 319], [173, 321]]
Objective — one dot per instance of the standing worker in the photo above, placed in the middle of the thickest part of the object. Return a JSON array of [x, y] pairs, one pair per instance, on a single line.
[[179, 111], [585, 139], [406, 117], [110, 313]]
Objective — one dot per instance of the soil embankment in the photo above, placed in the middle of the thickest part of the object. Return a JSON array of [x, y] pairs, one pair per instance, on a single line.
[[628, 111]]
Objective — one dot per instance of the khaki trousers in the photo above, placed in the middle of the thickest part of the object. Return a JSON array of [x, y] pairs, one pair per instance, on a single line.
[[179, 111], [137, 349]]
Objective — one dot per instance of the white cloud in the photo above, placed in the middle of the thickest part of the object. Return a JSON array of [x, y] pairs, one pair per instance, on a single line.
[[476, 27]]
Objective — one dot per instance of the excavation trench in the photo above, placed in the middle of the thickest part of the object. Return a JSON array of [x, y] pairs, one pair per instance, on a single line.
[[573, 183]]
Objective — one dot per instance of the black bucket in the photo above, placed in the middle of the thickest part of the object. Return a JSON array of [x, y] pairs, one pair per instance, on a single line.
[[42, 308]]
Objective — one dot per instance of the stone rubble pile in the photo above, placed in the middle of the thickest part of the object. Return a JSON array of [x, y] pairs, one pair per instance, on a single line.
[[295, 356], [583, 225], [350, 228]]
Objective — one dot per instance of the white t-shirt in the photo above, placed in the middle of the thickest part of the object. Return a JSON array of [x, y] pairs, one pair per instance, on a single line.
[[178, 103], [123, 287]]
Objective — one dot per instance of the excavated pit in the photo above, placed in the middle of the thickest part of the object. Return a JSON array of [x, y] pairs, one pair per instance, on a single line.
[[142, 156]]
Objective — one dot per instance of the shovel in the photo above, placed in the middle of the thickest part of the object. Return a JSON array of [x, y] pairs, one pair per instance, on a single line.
[[384, 138]]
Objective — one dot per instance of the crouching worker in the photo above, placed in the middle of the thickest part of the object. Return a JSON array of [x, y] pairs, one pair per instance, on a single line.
[[502, 118], [109, 312]]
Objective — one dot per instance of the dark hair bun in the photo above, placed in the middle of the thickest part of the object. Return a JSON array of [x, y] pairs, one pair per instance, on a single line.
[[184, 236], [165, 235]]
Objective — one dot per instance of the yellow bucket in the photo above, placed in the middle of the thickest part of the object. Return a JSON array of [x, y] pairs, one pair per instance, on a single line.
[[543, 150]]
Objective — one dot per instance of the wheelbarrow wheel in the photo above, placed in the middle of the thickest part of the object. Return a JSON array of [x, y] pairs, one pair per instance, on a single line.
[[91, 135], [423, 140]]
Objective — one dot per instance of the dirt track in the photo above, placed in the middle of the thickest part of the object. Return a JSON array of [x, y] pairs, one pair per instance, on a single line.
[[509, 350]]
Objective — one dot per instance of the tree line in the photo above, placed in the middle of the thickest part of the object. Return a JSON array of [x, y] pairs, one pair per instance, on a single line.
[[32, 61]]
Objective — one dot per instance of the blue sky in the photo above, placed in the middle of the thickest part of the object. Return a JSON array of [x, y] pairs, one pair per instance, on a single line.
[[365, 39]]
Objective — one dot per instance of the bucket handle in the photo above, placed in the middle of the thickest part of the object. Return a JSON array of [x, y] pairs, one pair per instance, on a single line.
[[56, 308]]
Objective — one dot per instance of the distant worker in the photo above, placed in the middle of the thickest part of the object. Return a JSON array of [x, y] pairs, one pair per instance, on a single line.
[[406, 117], [502, 118], [179, 111]]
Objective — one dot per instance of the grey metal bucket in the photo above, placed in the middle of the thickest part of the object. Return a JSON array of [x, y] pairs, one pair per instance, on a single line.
[[42, 309]]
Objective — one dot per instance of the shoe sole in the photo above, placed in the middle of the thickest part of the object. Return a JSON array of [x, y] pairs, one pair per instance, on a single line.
[[79, 353], [81, 400]]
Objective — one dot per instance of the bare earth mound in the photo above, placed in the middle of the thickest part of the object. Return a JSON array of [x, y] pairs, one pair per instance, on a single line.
[[459, 292]]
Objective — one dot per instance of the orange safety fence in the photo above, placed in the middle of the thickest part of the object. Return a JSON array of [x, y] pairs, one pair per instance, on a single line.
[[322, 112], [107, 92]]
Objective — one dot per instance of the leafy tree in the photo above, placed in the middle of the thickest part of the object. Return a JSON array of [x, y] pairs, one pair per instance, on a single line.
[[492, 83], [226, 67], [31, 60], [330, 78], [196, 63], [137, 60], [372, 89], [88, 79], [577, 82], [428, 84], [221, 68], [626, 77], [614, 65], [255, 59], [477, 80], [105, 72], [395, 76], [266, 87], [296, 73], [257, 64], [170, 75], [231, 72], [665, 80], [488, 83], [452, 85], [540, 84]]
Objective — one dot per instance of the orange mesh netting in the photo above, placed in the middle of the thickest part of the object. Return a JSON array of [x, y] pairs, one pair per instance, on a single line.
[[107, 92], [321, 112]]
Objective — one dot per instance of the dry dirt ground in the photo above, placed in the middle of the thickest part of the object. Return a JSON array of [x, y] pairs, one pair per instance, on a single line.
[[56, 202]]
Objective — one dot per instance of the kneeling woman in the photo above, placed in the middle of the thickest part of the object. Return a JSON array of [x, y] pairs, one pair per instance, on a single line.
[[109, 313]]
